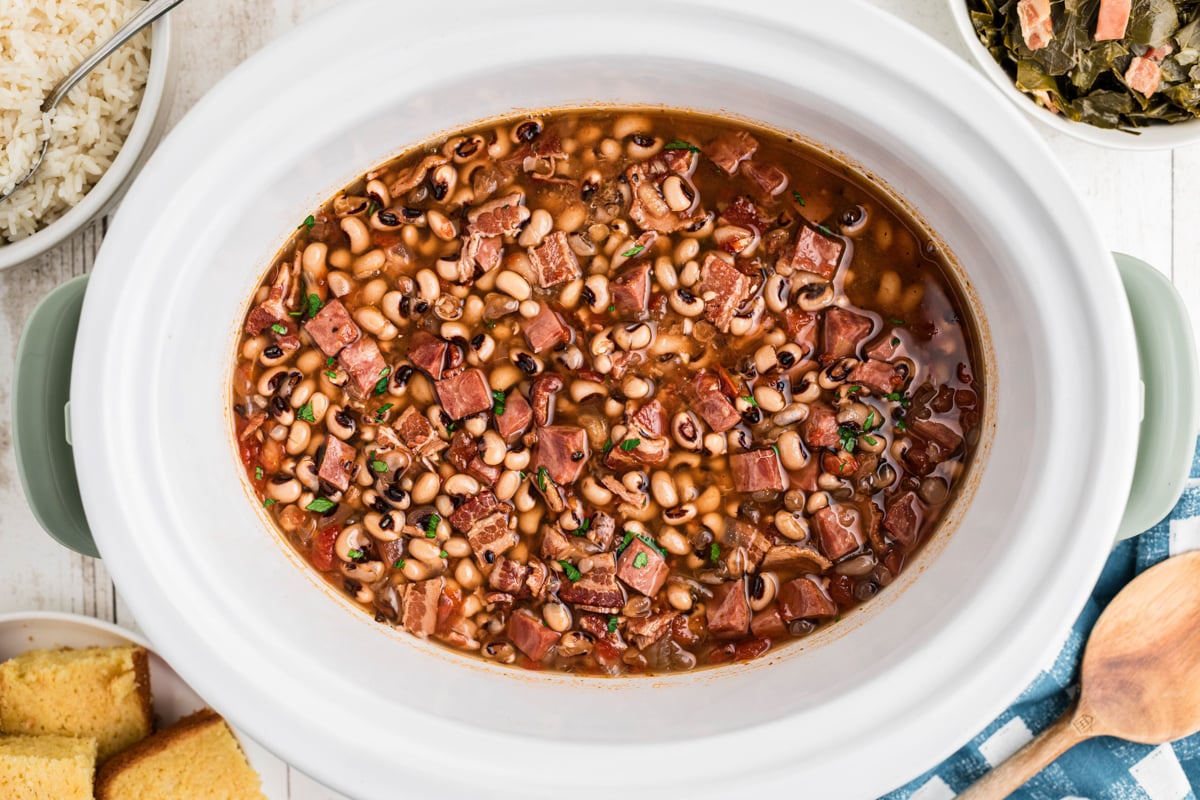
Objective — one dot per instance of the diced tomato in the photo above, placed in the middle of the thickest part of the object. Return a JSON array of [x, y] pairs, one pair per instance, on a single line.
[[449, 606], [606, 653], [250, 450], [272, 456], [321, 550], [242, 382]]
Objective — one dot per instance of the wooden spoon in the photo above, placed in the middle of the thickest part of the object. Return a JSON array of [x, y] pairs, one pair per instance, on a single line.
[[1140, 678]]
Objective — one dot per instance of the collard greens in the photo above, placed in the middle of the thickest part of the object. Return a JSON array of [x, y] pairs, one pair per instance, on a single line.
[[1084, 79]]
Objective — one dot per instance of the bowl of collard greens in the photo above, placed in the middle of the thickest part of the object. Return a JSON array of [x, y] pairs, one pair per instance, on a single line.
[[1118, 73]]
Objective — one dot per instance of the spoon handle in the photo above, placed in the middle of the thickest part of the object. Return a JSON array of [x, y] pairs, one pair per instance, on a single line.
[[143, 17], [1069, 730]]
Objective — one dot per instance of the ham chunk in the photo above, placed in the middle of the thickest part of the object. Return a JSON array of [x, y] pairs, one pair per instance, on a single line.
[[503, 216], [730, 149], [554, 261], [598, 589], [337, 465], [770, 178], [878, 376], [651, 451], [650, 419], [1037, 29], [844, 330], [630, 289], [545, 386], [642, 568], [723, 288], [802, 329], [805, 598], [428, 352], [365, 365], [1143, 75], [1112, 19], [603, 530], [712, 404], [474, 509], [481, 253], [546, 330], [768, 624], [834, 531], [729, 611], [645, 631], [421, 606], [417, 434], [813, 251], [820, 429], [465, 394], [756, 471], [795, 558], [903, 518], [491, 537], [507, 575], [530, 636], [517, 416], [562, 450], [748, 538], [942, 442], [332, 328]]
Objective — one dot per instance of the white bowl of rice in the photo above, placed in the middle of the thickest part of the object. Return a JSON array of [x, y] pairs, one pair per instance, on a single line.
[[100, 133]]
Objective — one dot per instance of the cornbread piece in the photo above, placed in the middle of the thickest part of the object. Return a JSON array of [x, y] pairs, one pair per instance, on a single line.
[[197, 758], [101, 692], [46, 768]]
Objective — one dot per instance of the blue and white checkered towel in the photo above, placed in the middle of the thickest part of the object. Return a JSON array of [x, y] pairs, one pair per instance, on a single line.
[[1102, 768]]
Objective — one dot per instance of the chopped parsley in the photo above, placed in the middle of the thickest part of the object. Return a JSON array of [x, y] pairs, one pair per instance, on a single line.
[[612, 309], [398, 563], [354, 553], [900, 426], [895, 321], [443, 554], [612, 624], [607, 445], [542, 474], [714, 552], [869, 422], [848, 438], [379, 412], [269, 502], [775, 447], [432, 525], [583, 529], [295, 313], [870, 440], [680, 144], [314, 305], [383, 373], [258, 473], [825, 230], [379, 466], [799, 198], [498, 400], [633, 251], [895, 341], [750, 399], [630, 444], [320, 505], [381, 386], [329, 361], [309, 222], [640, 560], [895, 397], [372, 208], [280, 329], [573, 573], [450, 428], [306, 413], [331, 375]]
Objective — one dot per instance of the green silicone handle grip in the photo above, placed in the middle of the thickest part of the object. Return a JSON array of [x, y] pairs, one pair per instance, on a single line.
[[41, 422], [1170, 411]]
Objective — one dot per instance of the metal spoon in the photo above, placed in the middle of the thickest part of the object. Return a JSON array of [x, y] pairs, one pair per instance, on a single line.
[[1140, 678], [143, 17]]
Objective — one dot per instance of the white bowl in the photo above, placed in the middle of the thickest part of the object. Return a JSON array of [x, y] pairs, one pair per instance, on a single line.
[[1156, 137], [869, 704], [148, 127]]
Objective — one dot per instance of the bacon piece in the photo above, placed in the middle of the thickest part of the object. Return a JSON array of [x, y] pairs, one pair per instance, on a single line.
[[756, 471], [844, 330], [337, 465], [603, 530], [820, 429], [272, 311], [729, 611], [507, 575], [1112, 19], [365, 364], [597, 590], [474, 509], [650, 419], [416, 432], [903, 518], [642, 568], [711, 403], [805, 598], [749, 538], [537, 579], [530, 636], [723, 288], [428, 352], [1144, 75], [744, 213], [421, 606], [834, 531], [544, 388], [1037, 28], [332, 328], [770, 178], [463, 448], [812, 251], [562, 450], [482, 253], [491, 535], [464, 394], [546, 330], [647, 208], [878, 376], [503, 216], [795, 558], [554, 261], [730, 149], [645, 631], [516, 417], [630, 289], [652, 451]]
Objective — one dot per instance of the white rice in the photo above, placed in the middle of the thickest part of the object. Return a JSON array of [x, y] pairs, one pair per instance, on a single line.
[[40, 42]]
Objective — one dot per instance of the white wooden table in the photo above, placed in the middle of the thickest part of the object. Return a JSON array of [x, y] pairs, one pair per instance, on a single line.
[[1146, 204]]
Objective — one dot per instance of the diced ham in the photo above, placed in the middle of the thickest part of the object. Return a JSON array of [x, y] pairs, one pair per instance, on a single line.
[[645, 631], [730, 149], [1037, 28], [729, 611], [428, 352], [463, 448], [1112, 19], [844, 330], [878, 376], [555, 544], [530, 636], [491, 537], [1143, 75], [805, 598], [272, 310], [630, 289], [464, 394], [474, 509], [651, 451], [647, 208], [903, 518], [332, 328], [813, 251], [421, 606], [941, 441], [770, 178], [417, 434], [486, 474], [337, 465], [795, 558], [503, 216], [546, 330], [603, 530], [545, 386], [744, 213], [756, 471], [768, 624], [554, 261], [481, 253], [820, 429], [802, 329], [642, 568], [723, 288], [885, 348], [562, 450], [711, 403], [748, 538], [517, 416], [597, 590], [805, 478], [650, 419], [365, 365], [834, 531], [507, 575]]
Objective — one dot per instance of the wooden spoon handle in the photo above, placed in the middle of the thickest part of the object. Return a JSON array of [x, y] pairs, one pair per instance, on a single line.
[[1031, 759]]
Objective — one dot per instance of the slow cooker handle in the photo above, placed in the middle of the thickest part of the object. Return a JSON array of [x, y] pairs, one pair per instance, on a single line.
[[41, 421], [1171, 391]]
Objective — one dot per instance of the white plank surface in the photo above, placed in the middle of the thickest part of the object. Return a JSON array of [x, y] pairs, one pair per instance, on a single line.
[[1145, 204]]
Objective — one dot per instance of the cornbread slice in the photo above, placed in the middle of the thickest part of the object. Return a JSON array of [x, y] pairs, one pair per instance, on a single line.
[[46, 768], [197, 758], [101, 692]]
